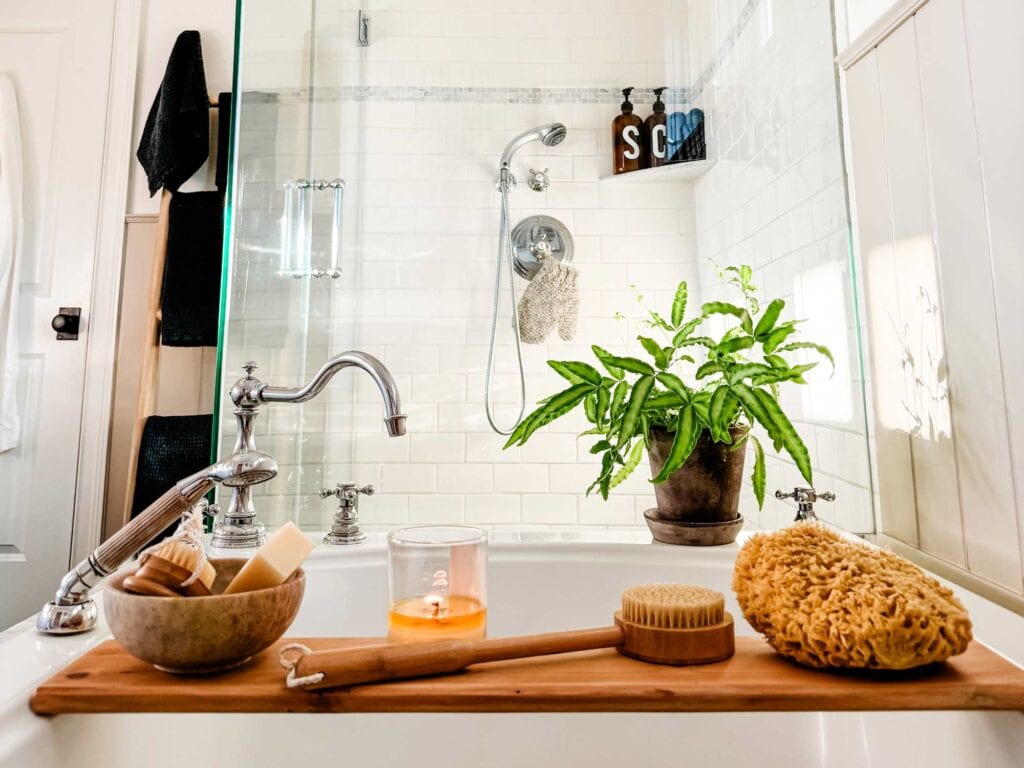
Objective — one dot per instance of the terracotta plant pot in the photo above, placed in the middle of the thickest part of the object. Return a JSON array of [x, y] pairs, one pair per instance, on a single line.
[[699, 502]]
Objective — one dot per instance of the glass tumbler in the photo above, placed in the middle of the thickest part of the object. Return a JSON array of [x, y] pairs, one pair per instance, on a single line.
[[437, 583]]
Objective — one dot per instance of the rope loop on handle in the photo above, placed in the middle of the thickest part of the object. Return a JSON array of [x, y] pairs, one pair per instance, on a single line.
[[292, 681]]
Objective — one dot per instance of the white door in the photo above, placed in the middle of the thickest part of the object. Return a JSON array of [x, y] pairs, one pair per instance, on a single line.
[[58, 55]]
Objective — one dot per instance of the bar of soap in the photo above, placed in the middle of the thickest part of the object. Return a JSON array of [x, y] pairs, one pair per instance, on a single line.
[[274, 562]]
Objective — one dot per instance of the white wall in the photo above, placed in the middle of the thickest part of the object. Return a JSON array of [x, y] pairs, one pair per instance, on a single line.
[[934, 124], [161, 23], [763, 72]]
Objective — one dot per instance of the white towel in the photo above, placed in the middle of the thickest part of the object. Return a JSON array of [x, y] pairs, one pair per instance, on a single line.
[[11, 180]]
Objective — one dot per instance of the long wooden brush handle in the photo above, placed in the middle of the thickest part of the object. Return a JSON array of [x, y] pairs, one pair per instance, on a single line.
[[376, 663]]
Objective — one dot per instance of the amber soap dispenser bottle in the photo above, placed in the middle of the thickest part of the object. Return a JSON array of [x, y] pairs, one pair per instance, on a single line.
[[629, 152], [656, 132]]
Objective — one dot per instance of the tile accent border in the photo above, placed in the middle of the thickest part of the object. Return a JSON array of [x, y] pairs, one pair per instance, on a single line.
[[469, 94]]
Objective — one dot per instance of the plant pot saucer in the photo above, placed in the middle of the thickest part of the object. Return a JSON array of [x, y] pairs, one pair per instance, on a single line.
[[692, 534]]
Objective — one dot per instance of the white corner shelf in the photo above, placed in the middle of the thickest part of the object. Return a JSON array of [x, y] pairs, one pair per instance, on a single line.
[[672, 172]]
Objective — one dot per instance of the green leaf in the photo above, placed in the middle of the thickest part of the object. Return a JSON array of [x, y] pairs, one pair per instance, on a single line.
[[664, 401], [703, 341], [757, 479], [675, 385], [761, 405], [618, 398], [776, 361], [684, 332], [641, 389], [736, 344], [599, 446], [558, 405], [590, 407], [796, 373], [687, 432], [604, 356], [768, 319], [821, 349], [741, 372], [777, 336], [630, 364], [659, 322], [661, 359], [722, 411], [603, 398], [756, 412], [636, 454], [679, 305], [724, 308], [576, 372], [709, 368]]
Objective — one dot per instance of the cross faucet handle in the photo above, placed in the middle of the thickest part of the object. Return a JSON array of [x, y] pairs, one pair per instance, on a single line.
[[347, 491], [805, 497], [345, 529]]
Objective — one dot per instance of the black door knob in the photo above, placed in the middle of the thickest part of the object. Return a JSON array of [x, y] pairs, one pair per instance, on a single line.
[[65, 323]]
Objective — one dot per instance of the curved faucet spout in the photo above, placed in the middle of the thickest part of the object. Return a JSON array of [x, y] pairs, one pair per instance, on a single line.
[[394, 419]]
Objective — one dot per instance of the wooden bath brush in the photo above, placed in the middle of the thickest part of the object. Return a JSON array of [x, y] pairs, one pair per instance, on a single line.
[[660, 623]]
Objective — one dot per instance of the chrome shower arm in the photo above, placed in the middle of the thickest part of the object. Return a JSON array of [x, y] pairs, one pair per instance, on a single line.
[[374, 367]]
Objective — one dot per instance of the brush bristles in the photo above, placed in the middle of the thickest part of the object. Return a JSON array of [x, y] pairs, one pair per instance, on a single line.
[[185, 556], [673, 606]]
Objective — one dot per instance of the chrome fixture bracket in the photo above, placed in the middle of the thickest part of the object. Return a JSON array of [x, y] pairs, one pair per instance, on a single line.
[[240, 528], [363, 30], [345, 529], [805, 497], [536, 238]]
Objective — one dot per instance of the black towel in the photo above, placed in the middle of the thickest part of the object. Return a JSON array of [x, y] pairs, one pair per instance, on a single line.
[[223, 140], [190, 300], [172, 448], [176, 139]]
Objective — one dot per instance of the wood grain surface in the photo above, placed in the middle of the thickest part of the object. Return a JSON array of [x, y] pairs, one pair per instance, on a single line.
[[107, 679]]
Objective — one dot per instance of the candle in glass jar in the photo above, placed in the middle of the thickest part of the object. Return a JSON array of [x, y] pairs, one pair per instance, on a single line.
[[435, 616], [437, 583]]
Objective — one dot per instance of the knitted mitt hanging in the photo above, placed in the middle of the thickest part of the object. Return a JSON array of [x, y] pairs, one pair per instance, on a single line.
[[552, 298]]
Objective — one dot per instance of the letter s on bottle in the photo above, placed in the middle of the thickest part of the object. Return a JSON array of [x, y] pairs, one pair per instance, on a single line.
[[630, 134], [658, 134]]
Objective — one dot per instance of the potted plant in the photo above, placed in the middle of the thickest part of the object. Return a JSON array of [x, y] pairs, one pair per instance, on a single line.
[[692, 407]]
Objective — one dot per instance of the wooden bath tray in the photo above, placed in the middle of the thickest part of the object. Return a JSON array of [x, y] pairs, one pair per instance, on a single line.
[[107, 679]]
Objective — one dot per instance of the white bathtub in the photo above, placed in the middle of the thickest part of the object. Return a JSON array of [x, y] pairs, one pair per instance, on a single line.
[[537, 583]]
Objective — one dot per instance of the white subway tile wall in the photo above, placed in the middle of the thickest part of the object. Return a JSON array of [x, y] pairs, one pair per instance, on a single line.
[[764, 72], [415, 124]]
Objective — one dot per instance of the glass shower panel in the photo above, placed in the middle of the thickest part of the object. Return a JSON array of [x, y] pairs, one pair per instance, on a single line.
[[275, 309], [414, 123]]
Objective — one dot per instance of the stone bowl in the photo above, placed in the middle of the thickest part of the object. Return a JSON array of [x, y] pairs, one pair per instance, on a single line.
[[200, 635]]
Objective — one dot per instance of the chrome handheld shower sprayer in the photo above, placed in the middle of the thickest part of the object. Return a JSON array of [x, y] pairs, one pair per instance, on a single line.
[[549, 135]]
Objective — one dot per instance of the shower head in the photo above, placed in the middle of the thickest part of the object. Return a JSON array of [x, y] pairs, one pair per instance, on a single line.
[[245, 468], [549, 135]]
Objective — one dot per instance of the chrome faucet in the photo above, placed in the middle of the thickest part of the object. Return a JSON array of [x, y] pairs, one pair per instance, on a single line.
[[240, 528]]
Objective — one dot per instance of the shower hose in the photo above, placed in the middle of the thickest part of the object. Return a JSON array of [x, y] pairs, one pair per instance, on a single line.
[[505, 263]]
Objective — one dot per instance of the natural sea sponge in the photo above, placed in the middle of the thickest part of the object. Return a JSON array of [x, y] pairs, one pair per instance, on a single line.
[[825, 601]]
